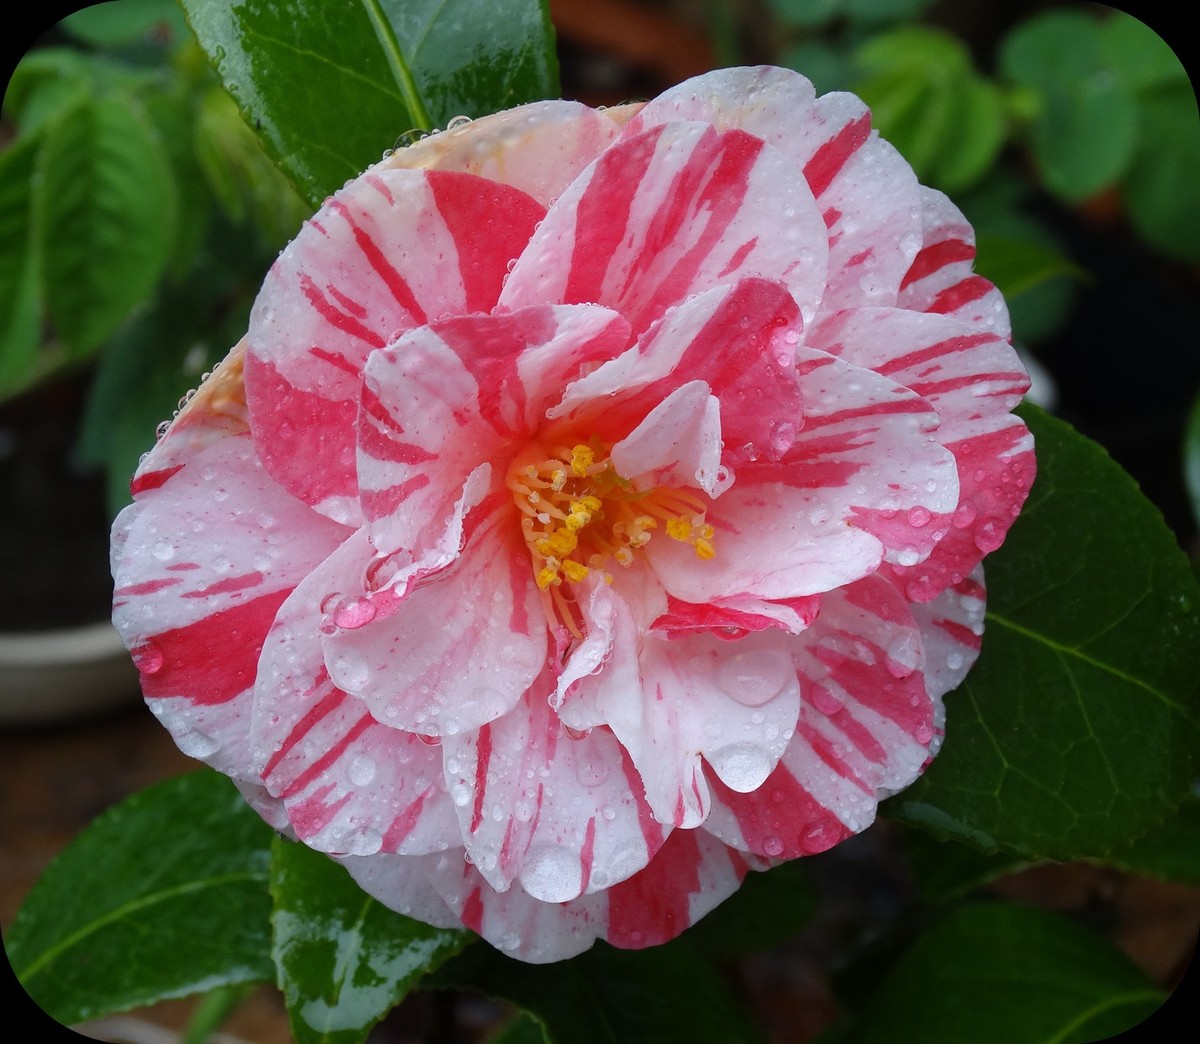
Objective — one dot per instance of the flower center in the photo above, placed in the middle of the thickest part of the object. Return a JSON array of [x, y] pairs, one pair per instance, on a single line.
[[578, 516]]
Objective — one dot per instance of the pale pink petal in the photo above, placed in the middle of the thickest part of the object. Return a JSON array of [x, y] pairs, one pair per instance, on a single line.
[[973, 378], [461, 646], [739, 339], [678, 443], [348, 783], [389, 252], [940, 278], [563, 813], [538, 148], [201, 565], [865, 729], [865, 191], [669, 213]]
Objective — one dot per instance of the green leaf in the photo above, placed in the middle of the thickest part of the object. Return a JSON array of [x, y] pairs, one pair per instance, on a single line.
[[996, 973], [344, 959], [1162, 189], [610, 996], [944, 870], [20, 318], [329, 87], [1077, 729], [1085, 131], [124, 21], [1137, 54], [161, 896], [1170, 852], [104, 212]]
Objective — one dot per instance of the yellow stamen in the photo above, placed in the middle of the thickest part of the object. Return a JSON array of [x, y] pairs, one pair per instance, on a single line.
[[582, 458], [575, 571]]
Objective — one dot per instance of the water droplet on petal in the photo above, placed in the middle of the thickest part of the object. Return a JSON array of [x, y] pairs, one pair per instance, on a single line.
[[756, 676], [353, 612], [742, 766], [772, 846], [148, 657], [362, 770], [552, 874]]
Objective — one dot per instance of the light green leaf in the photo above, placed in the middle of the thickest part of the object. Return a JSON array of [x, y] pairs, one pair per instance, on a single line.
[[329, 87], [163, 895], [1076, 732], [1085, 131], [997, 973], [104, 213], [344, 959]]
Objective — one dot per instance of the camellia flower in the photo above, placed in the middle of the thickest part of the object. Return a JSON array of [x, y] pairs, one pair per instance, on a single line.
[[592, 512]]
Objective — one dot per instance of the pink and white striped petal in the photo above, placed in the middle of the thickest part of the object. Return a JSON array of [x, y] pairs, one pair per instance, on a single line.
[[461, 646], [201, 566], [973, 379], [952, 632], [865, 191], [737, 616], [538, 148], [738, 338], [215, 411], [348, 783], [941, 279], [782, 530], [561, 812], [864, 731], [669, 213], [352, 282]]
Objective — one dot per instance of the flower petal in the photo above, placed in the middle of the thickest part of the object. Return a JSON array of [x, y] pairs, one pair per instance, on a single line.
[[460, 648], [865, 191], [201, 564], [562, 813], [669, 213], [348, 783], [351, 282], [973, 378], [538, 148], [865, 729]]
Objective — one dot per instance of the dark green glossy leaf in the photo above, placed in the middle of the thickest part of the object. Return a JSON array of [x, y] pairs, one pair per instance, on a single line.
[[1085, 130], [344, 959], [1002, 974], [1170, 852], [768, 908], [522, 1029], [944, 870], [20, 326], [104, 214], [329, 87], [1077, 729], [610, 996], [163, 895], [1162, 189]]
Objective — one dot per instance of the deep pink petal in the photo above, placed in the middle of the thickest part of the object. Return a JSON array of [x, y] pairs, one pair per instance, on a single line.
[[460, 648], [562, 813], [351, 282], [201, 565], [669, 213]]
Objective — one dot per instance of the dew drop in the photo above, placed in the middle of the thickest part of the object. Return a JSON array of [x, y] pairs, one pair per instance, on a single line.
[[350, 672], [918, 517], [552, 874], [773, 846], [755, 677], [148, 657], [742, 766], [362, 770], [352, 613], [989, 535], [824, 700], [197, 744]]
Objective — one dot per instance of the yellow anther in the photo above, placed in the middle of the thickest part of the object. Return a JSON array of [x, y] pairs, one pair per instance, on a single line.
[[679, 529], [704, 549], [578, 519], [707, 531], [589, 503], [562, 542], [582, 458], [547, 577], [575, 571]]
